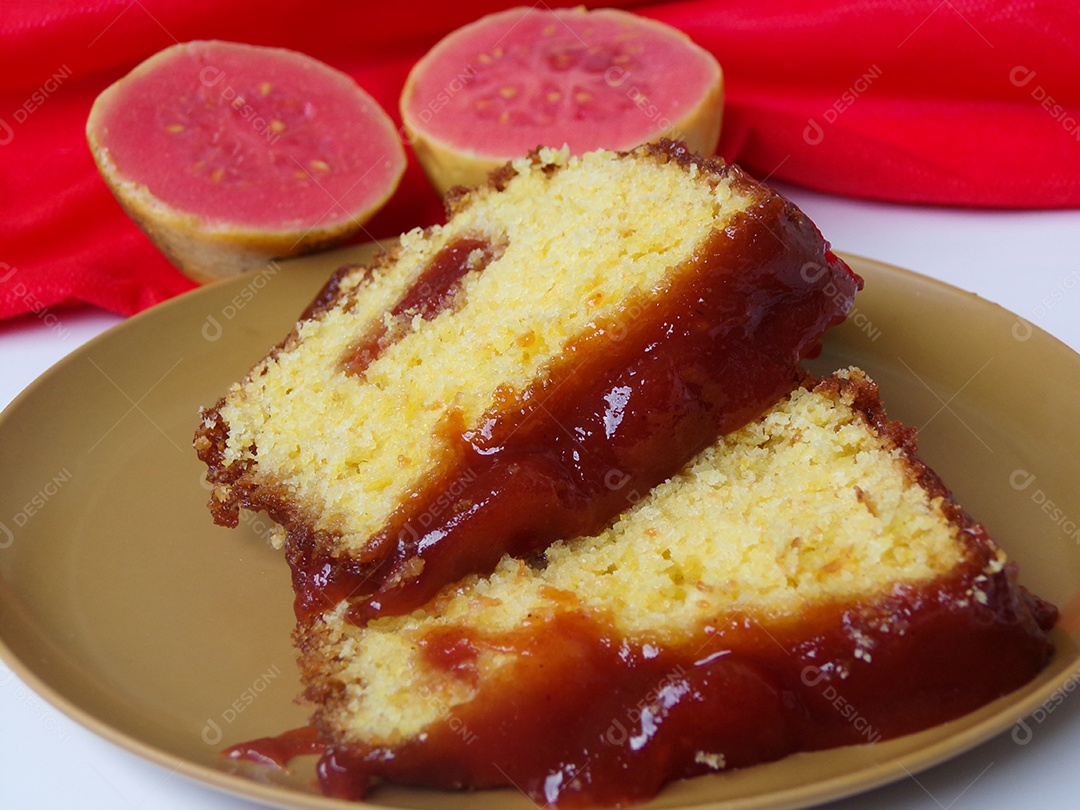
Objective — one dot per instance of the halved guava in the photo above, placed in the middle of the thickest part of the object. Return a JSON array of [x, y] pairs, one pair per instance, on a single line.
[[509, 82], [228, 155]]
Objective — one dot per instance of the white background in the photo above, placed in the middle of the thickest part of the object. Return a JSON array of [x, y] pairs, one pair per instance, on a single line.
[[1029, 262]]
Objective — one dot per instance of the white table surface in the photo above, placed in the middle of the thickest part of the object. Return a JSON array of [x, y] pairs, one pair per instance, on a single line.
[[1029, 262]]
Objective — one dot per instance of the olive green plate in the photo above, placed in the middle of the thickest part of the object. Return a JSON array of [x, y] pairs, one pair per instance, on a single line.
[[123, 605]]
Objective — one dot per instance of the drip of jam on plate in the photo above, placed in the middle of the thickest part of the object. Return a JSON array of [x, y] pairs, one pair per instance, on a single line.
[[278, 750], [586, 717], [625, 406]]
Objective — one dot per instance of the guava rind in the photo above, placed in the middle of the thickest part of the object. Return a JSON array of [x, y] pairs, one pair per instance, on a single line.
[[667, 86], [150, 131]]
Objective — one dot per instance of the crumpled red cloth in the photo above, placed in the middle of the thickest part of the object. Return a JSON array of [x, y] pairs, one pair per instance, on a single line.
[[934, 101]]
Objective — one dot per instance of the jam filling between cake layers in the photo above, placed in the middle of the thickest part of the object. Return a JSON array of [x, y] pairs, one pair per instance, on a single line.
[[435, 290], [625, 407], [586, 717]]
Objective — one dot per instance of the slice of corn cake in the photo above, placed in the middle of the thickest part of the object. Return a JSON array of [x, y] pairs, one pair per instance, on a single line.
[[805, 582], [577, 330]]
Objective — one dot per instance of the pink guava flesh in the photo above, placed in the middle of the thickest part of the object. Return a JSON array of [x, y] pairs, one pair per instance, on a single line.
[[250, 136], [605, 79]]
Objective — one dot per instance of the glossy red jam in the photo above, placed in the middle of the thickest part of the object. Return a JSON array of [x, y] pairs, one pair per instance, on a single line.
[[625, 407], [586, 717]]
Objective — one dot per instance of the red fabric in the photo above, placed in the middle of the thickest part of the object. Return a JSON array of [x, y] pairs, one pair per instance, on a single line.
[[954, 102]]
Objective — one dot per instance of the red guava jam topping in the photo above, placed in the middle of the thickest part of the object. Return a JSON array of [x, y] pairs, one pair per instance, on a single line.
[[624, 408], [588, 718]]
